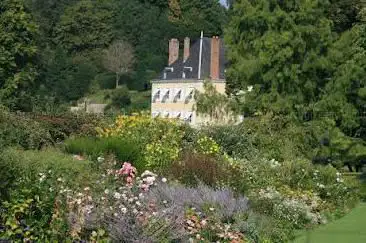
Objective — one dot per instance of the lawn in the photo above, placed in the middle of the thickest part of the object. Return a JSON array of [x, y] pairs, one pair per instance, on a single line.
[[350, 228]]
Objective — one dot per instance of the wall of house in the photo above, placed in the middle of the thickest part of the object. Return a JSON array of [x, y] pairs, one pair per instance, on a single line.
[[172, 104]]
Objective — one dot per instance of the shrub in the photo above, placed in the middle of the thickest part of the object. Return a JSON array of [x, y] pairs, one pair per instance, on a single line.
[[125, 149], [161, 139], [30, 190], [194, 168], [19, 130], [119, 97], [65, 125], [234, 140]]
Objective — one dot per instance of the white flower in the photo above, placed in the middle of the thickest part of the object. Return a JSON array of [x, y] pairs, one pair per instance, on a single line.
[[103, 198], [147, 173], [211, 209], [138, 203], [164, 180], [94, 234], [198, 236], [106, 191], [78, 201], [149, 180], [51, 189], [165, 202], [115, 214], [59, 179], [117, 195], [123, 210], [86, 189], [80, 194], [100, 159]]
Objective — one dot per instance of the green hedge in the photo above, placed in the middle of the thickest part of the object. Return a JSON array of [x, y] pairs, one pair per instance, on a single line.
[[124, 149]]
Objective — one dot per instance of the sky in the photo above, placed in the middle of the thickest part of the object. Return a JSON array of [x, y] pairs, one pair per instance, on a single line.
[[223, 2]]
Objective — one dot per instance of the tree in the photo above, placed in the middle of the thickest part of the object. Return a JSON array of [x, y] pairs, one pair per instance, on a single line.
[[217, 106], [118, 58], [84, 26], [17, 50], [65, 78], [193, 16], [281, 48], [344, 13]]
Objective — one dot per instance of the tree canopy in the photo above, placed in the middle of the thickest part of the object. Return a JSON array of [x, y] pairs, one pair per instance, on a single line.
[[17, 49]]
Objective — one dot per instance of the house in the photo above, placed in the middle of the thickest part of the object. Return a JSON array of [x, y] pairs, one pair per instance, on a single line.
[[173, 91]]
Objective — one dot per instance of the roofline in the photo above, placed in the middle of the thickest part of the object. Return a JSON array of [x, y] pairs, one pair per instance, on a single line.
[[181, 80]]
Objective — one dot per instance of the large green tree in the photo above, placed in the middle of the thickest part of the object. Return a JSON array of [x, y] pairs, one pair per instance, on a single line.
[[281, 48]]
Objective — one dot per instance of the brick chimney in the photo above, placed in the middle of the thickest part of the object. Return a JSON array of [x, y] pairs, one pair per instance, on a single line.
[[173, 51], [215, 58], [187, 43]]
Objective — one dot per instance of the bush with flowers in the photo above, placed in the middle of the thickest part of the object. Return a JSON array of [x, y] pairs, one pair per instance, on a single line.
[[31, 209], [161, 138], [132, 207]]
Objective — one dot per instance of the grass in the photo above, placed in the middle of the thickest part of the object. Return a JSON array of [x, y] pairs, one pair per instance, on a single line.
[[350, 228]]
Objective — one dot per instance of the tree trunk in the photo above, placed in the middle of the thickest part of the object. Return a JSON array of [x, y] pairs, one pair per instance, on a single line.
[[117, 79]]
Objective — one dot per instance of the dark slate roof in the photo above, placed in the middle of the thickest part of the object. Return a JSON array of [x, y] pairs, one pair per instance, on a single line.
[[193, 61]]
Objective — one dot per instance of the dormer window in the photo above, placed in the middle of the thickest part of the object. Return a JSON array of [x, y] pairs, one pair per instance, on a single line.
[[186, 69], [168, 69]]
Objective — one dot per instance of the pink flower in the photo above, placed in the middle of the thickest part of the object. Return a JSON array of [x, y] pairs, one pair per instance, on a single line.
[[145, 187], [129, 180]]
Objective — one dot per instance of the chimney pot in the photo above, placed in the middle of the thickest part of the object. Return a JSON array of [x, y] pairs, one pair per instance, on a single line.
[[186, 52], [173, 51], [215, 58]]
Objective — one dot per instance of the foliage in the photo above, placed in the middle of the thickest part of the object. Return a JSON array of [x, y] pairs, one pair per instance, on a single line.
[[194, 168], [84, 26], [123, 148], [29, 191], [344, 13], [161, 138], [235, 140], [19, 130], [17, 50], [141, 208], [213, 104], [120, 98], [284, 58], [66, 79]]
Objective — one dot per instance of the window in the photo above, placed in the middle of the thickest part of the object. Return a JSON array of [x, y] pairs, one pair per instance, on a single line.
[[156, 95]]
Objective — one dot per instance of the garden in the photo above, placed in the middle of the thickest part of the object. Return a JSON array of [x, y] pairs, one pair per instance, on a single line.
[[85, 178]]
